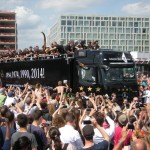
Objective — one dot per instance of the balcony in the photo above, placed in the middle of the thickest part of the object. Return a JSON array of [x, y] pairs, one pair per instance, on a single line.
[[7, 42], [7, 34], [7, 19], [7, 26]]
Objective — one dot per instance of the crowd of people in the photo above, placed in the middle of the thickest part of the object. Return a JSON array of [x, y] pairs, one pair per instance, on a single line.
[[35, 118], [54, 50]]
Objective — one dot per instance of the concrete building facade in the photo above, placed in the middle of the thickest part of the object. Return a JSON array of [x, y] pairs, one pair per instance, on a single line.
[[118, 33], [8, 31]]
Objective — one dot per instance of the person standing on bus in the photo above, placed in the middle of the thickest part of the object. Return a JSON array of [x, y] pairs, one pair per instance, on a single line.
[[60, 89]]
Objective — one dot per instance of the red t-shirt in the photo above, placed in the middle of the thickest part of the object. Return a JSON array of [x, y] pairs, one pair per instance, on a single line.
[[117, 136]]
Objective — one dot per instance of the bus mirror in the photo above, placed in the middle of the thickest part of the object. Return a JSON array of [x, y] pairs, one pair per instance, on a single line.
[[105, 67]]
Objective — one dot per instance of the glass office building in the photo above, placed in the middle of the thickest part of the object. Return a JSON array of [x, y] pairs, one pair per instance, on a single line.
[[118, 33]]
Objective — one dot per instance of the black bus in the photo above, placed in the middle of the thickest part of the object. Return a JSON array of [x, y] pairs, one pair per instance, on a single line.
[[92, 71]]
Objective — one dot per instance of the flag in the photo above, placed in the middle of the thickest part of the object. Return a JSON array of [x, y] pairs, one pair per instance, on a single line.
[[124, 58]]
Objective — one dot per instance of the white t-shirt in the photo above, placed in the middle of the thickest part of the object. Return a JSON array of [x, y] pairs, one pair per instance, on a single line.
[[9, 101]]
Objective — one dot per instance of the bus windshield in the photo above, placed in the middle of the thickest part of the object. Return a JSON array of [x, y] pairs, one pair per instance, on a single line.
[[119, 74], [87, 75]]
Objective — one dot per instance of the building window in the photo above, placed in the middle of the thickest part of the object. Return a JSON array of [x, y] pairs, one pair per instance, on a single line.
[[105, 42], [105, 18], [111, 30], [130, 19], [63, 22], [130, 48], [122, 36], [138, 42], [143, 30], [122, 18], [69, 22], [77, 29], [71, 17], [135, 30], [143, 36], [78, 35], [146, 43], [136, 48], [105, 36], [138, 19], [102, 29], [114, 42], [72, 35], [86, 29], [80, 23], [119, 23], [146, 24], [146, 49], [97, 18], [138, 36], [97, 23], [88, 18], [130, 42], [128, 36], [86, 23], [80, 17], [69, 29], [122, 42], [114, 23], [63, 17], [95, 36], [127, 30], [135, 24], [146, 19], [119, 30], [89, 35], [111, 36], [102, 23], [130, 24], [61, 35], [95, 29], [114, 18]]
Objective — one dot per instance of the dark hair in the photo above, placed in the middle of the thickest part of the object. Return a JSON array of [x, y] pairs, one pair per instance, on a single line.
[[10, 116], [70, 117], [22, 120], [37, 114], [132, 119], [58, 121], [23, 143], [38, 85], [3, 110], [54, 134], [99, 118], [43, 105], [64, 112]]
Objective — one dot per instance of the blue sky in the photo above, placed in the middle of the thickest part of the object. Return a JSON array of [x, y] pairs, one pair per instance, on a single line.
[[34, 16]]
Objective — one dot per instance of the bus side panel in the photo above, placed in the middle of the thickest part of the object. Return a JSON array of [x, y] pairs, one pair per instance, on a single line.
[[46, 72]]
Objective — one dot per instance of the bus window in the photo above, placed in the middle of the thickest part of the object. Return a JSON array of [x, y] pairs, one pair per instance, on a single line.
[[87, 75], [119, 74]]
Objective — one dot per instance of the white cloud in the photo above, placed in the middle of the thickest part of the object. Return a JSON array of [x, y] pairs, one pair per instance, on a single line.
[[139, 8], [9, 4], [60, 5], [26, 18], [29, 27]]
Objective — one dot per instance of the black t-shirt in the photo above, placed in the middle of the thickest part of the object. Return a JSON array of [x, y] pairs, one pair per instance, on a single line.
[[100, 146], [60, 49]]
